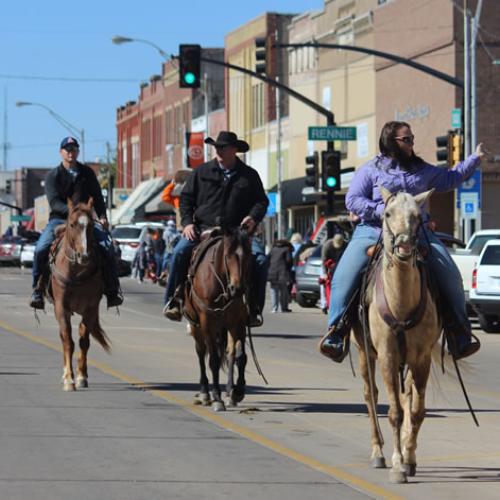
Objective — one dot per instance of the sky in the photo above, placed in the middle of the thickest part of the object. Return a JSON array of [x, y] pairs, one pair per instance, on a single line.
[[59, 54]]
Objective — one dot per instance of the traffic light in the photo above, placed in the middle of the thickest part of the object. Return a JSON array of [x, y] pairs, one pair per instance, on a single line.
[[189, 66], [451, 148], [330, 163], [312, 172], [443, 153], [260, 55], [457, 153], [8, 186]]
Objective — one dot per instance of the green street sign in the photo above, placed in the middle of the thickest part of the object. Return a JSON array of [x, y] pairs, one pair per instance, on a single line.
[[332, 133], [456, 118], [20, 218]]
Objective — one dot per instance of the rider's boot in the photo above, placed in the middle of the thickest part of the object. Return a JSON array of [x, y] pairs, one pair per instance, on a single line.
[[112, 288], [461, 342], [37, 301], [172, 309], [335, 344]]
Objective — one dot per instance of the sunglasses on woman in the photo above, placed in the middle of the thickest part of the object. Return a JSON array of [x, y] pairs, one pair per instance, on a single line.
[[407, 139]]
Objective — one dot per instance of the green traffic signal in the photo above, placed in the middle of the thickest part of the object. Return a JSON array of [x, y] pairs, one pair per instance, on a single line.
[[331, 182], [189, 78]]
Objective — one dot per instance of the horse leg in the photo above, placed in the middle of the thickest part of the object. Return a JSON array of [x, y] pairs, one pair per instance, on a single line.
[[81, 370], [231, 354], [203, 397], [367, 368], [416, 414], [241, 363], [390, 373], [215, 359], [64, 320]]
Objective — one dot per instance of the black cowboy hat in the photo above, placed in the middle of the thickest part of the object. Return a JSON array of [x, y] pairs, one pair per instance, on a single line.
[[226, 138]]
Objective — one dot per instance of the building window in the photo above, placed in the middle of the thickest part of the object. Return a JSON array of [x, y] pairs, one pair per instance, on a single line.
[[146, 140], [126, 175], [169, 127], [157, 136], [178, 125], [257, 105], [135, 164]]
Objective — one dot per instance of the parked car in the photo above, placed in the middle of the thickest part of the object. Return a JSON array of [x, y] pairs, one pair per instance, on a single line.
[[10, 249], [484, 294], [27, 254], [307, 274], [130, 236], [466, 258]]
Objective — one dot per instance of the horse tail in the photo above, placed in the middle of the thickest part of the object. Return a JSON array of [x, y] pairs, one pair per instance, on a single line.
[[100, 335]]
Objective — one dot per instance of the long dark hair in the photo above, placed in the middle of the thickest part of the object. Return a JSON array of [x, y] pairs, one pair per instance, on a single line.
[[388, 145]]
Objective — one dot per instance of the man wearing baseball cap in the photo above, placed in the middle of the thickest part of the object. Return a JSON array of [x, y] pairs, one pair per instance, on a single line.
[[73, 180]]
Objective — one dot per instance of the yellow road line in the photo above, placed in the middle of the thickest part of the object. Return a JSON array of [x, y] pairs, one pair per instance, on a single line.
[[208, 414]]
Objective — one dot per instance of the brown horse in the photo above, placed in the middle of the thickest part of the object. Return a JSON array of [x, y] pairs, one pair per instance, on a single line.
[[403, 326], [76, 286], [215, 303]]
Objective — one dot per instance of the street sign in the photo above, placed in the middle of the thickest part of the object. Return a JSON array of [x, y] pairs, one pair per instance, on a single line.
[[271, 208], [469, 204], [332, 133], [471, 185], [20, 218], [456, 118]]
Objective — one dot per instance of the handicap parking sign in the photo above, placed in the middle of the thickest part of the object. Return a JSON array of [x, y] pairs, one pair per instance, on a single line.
[[469, 208], [469, 205]]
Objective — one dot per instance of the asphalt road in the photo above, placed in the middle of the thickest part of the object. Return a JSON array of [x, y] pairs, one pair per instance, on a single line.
[[134, 432]]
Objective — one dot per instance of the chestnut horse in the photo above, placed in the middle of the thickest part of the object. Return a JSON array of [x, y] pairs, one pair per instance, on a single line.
[[215, 303], [403, 327], [76, 286]]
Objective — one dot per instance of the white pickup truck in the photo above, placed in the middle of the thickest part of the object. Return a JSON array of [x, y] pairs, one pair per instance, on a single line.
[[466, 259]]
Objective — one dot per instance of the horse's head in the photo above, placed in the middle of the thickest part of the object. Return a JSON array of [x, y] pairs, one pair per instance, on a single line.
[[237, 255], [79, 230], [401, 222]]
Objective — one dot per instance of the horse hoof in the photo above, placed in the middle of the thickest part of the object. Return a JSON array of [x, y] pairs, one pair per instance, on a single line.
[[410, 469], [378, 463], [69, 387], [218, 406], [397, 477], [230, 403], [237, 395], [81, 383]]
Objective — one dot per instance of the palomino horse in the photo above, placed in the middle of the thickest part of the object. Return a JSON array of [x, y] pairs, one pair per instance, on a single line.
[[215, 304], [77, 287], [403, 328]]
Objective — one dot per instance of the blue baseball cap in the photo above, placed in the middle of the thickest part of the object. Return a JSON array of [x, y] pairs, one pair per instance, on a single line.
[[69, 142]]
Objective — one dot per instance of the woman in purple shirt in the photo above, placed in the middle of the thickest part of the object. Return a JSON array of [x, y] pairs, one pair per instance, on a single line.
[[397, 168]]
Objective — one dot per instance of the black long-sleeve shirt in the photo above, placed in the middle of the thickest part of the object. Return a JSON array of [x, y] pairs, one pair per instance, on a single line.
[[210, 198], [61, 185]]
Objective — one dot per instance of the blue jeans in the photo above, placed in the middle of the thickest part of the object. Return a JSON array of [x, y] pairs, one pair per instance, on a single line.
[[48, 236], [179, 264], [347, 276]]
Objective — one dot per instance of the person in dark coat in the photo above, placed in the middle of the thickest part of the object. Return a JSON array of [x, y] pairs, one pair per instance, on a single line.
[[280, 274], [78, 182], [222, 192]]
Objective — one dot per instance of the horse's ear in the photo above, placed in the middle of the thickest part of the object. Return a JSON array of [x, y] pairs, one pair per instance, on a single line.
[[70, 204], [421, 199], [90, 203], [386, 194]]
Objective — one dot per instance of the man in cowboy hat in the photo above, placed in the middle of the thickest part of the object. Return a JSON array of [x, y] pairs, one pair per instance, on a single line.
[[223, 191]]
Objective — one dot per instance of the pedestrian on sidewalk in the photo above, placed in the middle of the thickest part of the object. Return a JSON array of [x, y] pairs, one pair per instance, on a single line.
[[280, 274]]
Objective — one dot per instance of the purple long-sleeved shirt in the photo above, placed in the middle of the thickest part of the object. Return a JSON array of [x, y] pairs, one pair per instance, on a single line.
[[364, 198]]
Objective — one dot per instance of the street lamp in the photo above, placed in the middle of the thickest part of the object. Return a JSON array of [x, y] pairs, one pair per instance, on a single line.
[[118, 40], [71, 128]]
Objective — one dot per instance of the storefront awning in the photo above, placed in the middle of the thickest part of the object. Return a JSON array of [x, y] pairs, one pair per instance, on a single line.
[[141, 195], [157, 206]]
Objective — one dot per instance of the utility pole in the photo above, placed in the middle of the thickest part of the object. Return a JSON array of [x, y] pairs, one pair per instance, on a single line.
[[205, 97], [5, 145], [473, 96], [109, 198], [279, 163]]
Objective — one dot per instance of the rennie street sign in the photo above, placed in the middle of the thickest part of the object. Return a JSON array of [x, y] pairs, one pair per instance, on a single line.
[[332, 133]]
